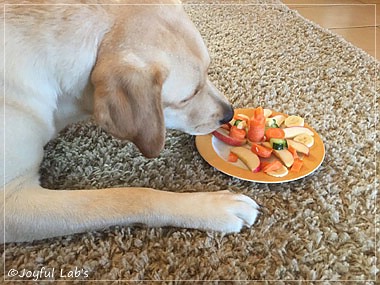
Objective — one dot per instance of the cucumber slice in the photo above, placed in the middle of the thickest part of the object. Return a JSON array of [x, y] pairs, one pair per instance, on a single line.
[[278, 144], [237, 122], [271, 123]]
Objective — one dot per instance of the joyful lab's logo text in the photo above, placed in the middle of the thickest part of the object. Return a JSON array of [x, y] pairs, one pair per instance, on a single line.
[[48, 273]]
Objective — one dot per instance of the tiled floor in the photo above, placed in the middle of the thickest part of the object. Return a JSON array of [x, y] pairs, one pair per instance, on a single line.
[[358, 21]]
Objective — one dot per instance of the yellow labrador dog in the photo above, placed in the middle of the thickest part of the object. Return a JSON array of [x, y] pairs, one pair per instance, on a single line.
[[137, 69]]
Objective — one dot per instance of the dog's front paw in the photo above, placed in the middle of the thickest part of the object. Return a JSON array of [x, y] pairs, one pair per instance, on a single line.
[[227, 212], [233, 211]]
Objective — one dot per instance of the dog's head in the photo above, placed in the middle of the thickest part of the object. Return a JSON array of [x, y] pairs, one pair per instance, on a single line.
[[151, 73]]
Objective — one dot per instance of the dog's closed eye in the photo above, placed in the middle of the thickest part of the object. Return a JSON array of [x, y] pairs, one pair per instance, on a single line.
[[193, 94]]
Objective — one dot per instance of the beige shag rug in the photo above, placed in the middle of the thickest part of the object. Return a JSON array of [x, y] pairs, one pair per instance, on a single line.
[[319, 228]]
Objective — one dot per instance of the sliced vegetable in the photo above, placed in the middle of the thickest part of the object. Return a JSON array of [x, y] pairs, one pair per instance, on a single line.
[[260, 150], [274, 133], [285, 156], [240, 124], [256, 128], [232, 157], [293, 152], [297, 165], [306, 139], [271, 166], [300, 147], [223, 135], [237, 133], [271, 123], [250, 159], [278, 144], [237, 122], [259, 111], [295, 131], [255, 134], [294, 121]]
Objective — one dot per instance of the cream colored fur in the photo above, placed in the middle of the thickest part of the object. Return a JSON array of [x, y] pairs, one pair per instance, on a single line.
[[121, 64]]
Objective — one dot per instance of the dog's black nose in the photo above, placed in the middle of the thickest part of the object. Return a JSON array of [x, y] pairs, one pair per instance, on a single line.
[[228, 115]]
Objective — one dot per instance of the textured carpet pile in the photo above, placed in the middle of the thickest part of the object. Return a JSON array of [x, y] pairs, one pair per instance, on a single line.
[[318, 228]]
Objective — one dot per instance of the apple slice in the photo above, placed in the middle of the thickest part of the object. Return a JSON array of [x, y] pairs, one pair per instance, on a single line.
[[267, 113], [300, 147], [250, 159], [223, 135], [266, 144], [285, 156], [291, 132], [279, 119]]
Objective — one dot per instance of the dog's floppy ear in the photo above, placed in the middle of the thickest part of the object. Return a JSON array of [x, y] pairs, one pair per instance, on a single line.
[[127, 100]]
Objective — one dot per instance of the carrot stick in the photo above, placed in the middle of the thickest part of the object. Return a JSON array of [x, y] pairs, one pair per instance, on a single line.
[[297, 164], [260, 150], [232, 157], [259, 111], [275, 133], [235, 132], [271, 166], [293, 152], [256, 128]]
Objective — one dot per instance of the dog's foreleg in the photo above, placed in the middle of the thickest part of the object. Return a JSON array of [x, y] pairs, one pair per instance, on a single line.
[[32, 212]]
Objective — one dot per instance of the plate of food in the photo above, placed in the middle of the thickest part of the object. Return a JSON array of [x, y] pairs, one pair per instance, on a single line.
[[265, 146]]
